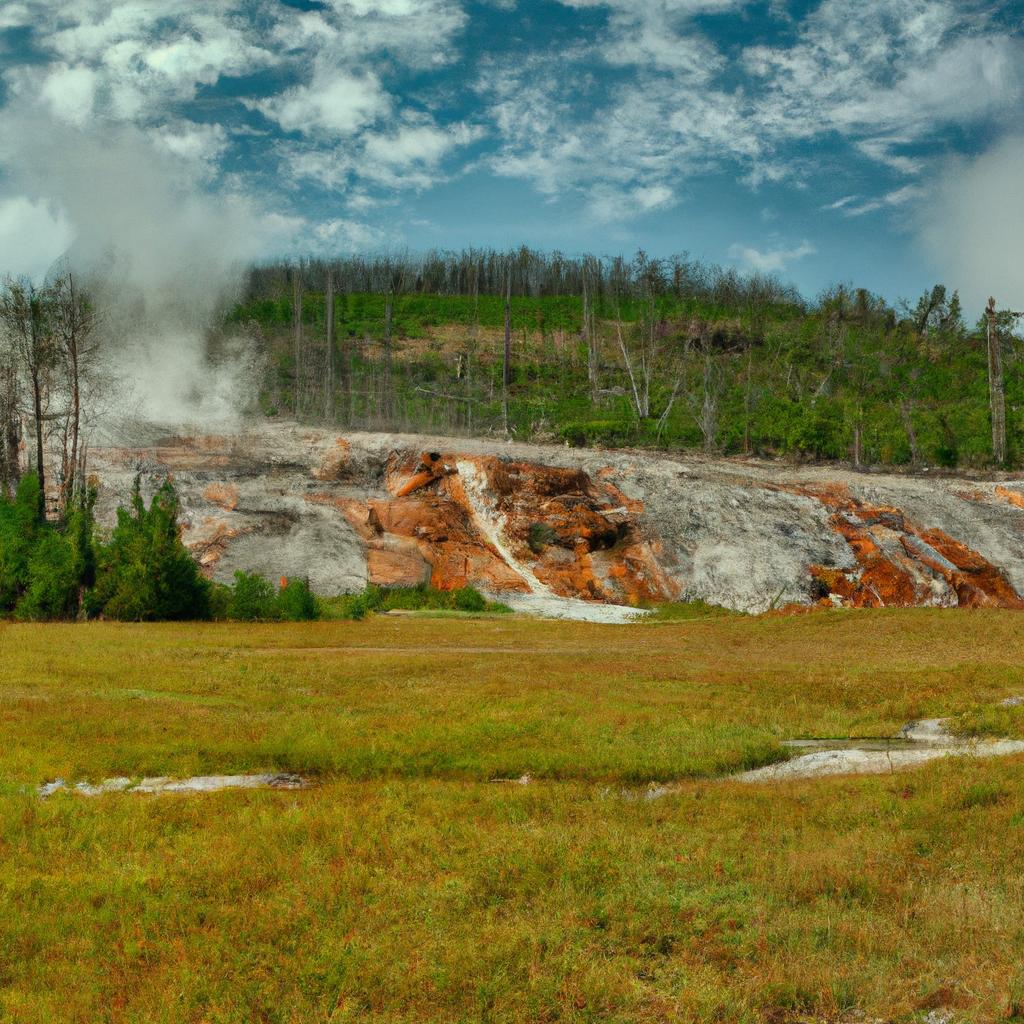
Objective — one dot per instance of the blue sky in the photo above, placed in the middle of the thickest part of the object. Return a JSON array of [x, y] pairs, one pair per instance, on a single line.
[[872, 141]]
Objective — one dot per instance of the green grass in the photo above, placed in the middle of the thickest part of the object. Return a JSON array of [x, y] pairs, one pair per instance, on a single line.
[[405, 886], [422, 599], [686, 611]]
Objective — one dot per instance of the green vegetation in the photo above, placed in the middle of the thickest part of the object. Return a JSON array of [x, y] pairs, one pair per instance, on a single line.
[[142, 573], [423, 598], [685, 611], [653, 353], [404, 886]]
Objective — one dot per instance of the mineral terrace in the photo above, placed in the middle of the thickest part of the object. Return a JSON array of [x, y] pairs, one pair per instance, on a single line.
[[551, 523]]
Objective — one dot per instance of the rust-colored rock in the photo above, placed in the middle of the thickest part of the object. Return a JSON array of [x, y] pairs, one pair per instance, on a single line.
[[224, 495], [901, 564], [400, 567], [336, 463], [1015, 498], [209, 541]]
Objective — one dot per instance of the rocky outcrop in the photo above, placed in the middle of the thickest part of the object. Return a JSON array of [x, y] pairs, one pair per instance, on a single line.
[[616, 528]]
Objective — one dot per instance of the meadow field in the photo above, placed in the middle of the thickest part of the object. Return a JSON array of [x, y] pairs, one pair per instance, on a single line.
[[412, 882]]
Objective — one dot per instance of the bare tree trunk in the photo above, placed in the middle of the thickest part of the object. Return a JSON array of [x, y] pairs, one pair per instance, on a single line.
[[37, 412], [72, 330], [996, 390], [474, 331], [907, 415], [748, 394], [329, 409], [589, 337], [506, 366], [637, 404], [297, 326], [709, 404], [386, 401], [10, 425]]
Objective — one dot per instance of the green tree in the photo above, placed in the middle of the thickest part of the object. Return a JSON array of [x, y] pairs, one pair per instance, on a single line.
[[145, 573], [296, 602], [19, 530], [252, 598]]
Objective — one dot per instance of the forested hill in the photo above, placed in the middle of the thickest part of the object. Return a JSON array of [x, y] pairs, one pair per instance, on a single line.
[[654, 353]]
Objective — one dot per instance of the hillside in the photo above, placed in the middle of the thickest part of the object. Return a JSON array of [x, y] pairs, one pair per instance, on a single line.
[[671, 355], [568, 531]]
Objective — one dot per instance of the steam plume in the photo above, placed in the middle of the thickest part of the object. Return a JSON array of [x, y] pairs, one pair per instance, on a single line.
[[974, 228], [162, 253]]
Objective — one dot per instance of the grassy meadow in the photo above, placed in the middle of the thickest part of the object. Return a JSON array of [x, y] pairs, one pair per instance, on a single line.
[[406, 885]]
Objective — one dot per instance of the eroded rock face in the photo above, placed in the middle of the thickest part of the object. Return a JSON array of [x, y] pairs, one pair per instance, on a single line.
[[620, 528]]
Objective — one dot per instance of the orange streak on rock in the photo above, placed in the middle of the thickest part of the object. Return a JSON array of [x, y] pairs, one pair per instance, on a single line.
[[1015, 498], [225, 495], [899, 562]]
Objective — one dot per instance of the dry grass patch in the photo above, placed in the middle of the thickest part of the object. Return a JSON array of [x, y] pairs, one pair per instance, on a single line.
[[405, 887]]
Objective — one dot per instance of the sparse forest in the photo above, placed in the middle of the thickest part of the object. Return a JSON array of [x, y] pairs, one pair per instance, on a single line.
[[645, 352]]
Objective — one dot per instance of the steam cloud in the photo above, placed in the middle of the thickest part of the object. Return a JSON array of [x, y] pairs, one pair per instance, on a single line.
[[973, 229], [162, 253]]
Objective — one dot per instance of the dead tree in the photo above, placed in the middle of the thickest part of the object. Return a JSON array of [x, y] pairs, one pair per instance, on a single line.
[[996, 389], [506, 365], [329, 339], [387, 404], [590, 335], [10, 421], [26, 321], [297, 330], [74, 321]]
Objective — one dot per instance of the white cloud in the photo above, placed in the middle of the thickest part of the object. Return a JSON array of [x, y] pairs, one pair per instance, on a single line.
[[33, 234], [895, 68], [343, 234], [200, 144], [898, 197], [770, 261], [335, 102], [70, 92]]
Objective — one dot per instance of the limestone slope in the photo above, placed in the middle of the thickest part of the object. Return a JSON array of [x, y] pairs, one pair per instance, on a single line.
[[599, 527]]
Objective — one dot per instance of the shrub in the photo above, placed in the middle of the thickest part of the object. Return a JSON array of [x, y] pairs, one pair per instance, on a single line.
[[19, 529], [53, 578], [145, 573], [220, 601], [540, 536], [296, 602], [252, 598], [469, 599]]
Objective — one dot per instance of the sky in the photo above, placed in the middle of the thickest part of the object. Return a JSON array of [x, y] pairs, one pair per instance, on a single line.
[[877, 142]]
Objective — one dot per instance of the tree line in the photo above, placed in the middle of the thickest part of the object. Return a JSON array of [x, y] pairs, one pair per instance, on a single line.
[[653, 352]]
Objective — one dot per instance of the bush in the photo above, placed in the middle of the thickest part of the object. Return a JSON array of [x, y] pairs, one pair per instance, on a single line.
[[145, 573], [252, 598], [52, 591], [469, 599], [296, 602], [19, 530], [220, 601]]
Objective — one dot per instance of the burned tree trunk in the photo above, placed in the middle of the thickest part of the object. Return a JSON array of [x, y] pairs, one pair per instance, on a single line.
[[387, 403], [297, 329], [996, 389], [506, 365], [907, 414], [329, 332], [10, 426]]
